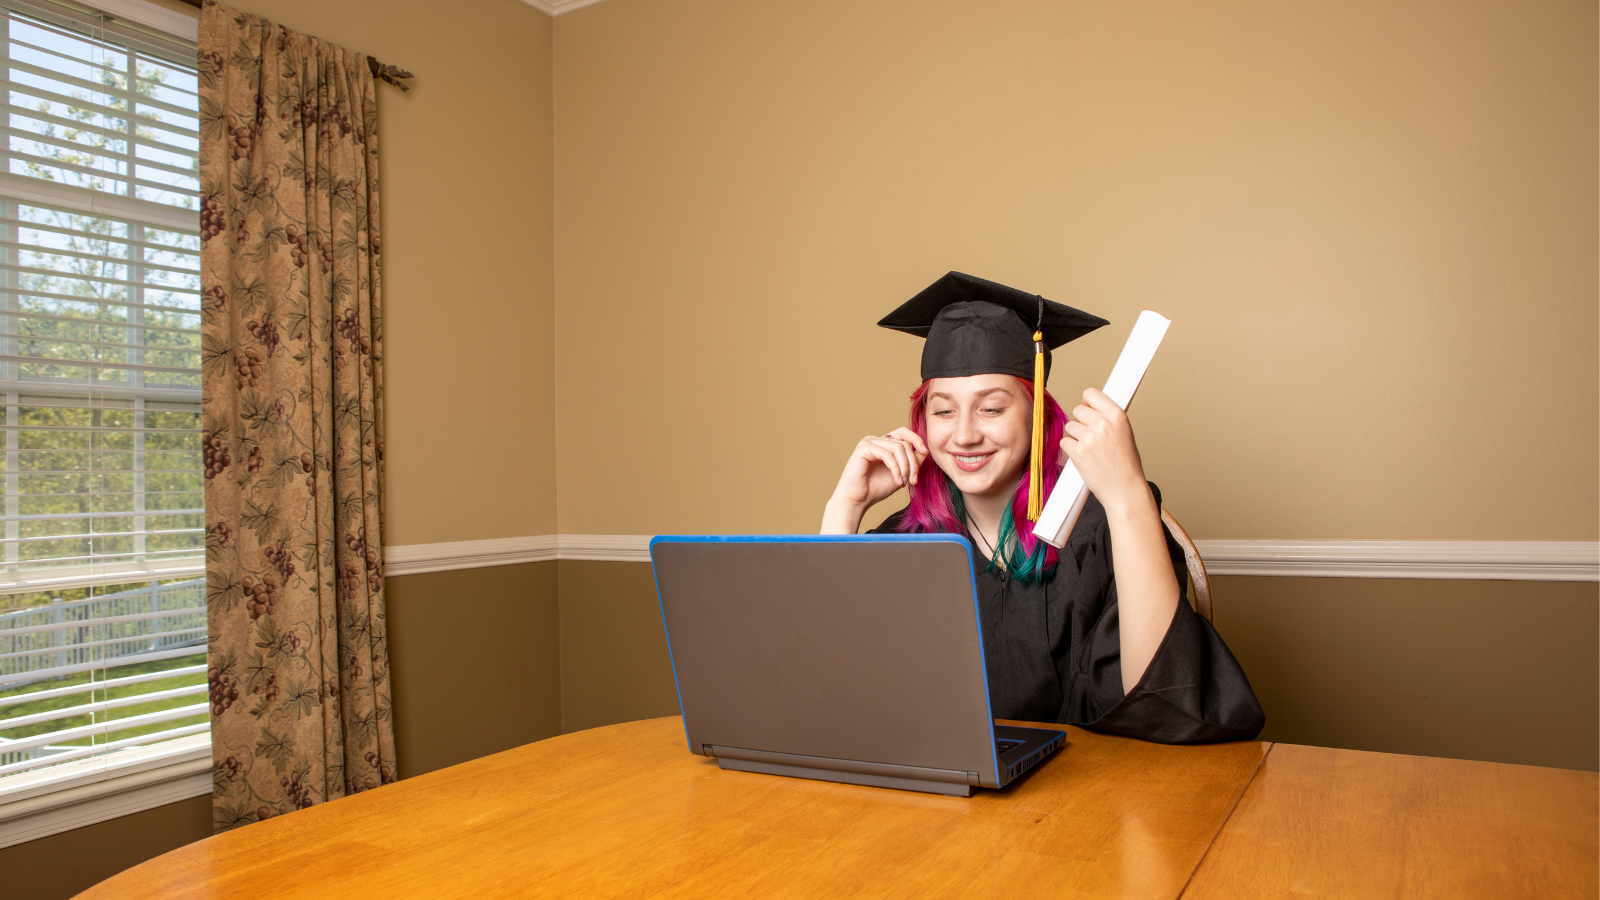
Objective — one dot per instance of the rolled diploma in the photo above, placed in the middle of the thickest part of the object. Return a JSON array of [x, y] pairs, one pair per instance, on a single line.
[[1066, 501]]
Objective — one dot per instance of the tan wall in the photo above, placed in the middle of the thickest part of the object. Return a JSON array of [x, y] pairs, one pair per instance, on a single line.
[[475, 658], [1494, 670], [614, 662], [1373, 224], [465, 159], [61, 865]]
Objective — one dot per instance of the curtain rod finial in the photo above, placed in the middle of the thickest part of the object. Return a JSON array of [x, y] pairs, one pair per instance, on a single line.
[[391, 74]]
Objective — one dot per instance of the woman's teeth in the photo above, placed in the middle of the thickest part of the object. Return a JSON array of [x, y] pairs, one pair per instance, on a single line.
[[973, 459]]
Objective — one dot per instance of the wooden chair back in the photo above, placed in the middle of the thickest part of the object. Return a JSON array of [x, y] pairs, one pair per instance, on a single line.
[[1197, 566]]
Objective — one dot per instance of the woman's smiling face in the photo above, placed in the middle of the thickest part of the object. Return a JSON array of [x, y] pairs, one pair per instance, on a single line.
[[979, 431]]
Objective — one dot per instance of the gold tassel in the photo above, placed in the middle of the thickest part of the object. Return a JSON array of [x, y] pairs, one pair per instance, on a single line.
[[1036, 459]]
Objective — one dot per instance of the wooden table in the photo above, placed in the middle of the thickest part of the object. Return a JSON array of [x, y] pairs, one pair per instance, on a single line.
[[627, 811], [1317, 822]]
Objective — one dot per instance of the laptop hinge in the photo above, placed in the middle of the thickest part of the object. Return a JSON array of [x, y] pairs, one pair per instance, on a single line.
[[849, 771], [842, 765]]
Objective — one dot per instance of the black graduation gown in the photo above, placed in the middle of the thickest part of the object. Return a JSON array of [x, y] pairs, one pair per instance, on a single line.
[[1054, 653]]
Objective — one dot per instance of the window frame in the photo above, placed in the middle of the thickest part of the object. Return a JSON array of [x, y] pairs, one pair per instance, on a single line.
[[46, 801]]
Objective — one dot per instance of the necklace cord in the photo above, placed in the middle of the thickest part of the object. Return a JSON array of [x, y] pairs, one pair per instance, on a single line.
[[979, 532]]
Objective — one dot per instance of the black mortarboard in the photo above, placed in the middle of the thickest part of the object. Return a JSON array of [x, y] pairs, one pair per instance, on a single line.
[[978, 327]]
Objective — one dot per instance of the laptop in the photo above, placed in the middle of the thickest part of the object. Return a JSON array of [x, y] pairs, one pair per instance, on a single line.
[[848, 658]]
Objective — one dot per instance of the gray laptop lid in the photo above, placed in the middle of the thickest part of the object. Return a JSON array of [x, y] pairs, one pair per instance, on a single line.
[[858, 647]]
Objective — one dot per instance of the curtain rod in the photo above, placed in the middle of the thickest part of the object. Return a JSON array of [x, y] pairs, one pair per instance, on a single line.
[[380, 71]]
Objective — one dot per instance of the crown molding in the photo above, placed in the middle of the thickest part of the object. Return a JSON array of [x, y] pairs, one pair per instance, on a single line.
[[557, 7], [1450, 560]]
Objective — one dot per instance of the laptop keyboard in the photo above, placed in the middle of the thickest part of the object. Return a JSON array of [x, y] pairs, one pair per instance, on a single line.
[[1003, 746]]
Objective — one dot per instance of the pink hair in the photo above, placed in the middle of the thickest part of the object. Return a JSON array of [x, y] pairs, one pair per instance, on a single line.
[[931, 508]]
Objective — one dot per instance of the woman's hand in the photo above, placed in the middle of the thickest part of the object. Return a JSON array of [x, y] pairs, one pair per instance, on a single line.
[[1099, 441], [878, 467]]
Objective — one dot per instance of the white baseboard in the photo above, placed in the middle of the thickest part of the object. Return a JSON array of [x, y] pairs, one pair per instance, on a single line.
[[1451, 560]]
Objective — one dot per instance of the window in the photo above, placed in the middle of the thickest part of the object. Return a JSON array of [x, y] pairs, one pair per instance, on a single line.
[[102, 600]]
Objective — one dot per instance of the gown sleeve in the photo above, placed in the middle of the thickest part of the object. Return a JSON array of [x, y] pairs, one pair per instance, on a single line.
[[1193, 691]]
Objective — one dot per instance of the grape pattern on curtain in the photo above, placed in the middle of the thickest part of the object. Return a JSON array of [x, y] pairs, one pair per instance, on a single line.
[[292, 416]]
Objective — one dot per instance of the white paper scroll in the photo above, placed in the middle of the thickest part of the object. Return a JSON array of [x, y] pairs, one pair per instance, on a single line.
[[1066, 501]]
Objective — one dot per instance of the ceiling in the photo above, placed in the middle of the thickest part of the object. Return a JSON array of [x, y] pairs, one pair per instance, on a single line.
[[557, 7]]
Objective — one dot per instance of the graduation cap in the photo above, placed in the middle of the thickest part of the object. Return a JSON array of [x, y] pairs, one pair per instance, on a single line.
[[979, 327]]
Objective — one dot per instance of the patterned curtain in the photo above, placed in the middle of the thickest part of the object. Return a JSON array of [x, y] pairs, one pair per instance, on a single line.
[[292, 411]]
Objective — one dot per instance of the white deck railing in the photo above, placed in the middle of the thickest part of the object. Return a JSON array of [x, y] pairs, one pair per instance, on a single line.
[[161, 621], [79, 635]]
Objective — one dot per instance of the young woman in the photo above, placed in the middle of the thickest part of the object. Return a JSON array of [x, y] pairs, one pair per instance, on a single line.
[[1098, 633]]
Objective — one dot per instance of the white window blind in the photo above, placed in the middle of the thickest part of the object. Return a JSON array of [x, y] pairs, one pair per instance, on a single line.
[[102, 606]]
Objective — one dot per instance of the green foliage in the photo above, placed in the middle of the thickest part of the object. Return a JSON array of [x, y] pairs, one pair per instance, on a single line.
[[116, 693], [29, 599]]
